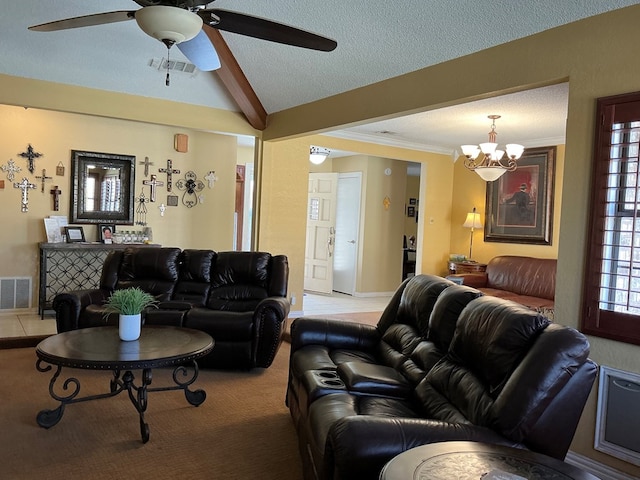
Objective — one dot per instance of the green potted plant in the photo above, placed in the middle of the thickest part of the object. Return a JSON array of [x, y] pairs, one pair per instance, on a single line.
[[129, 304]]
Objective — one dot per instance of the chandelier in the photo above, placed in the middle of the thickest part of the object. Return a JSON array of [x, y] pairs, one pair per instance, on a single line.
[[491, 167]]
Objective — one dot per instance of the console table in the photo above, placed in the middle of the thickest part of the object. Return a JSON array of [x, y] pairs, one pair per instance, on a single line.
[[72, 266]]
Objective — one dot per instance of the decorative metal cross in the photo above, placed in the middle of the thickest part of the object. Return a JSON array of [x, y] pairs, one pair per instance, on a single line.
[[44, 178], [153, 183], [169, 171], [55, 192], [190, 185], [146, 164], [25, 185], [11, 168], [211, 178], [30, 155], [141, 209]]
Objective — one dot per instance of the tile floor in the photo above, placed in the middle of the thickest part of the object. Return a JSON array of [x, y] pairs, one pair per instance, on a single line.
[[315, 304], [26, 325], [30, 324]]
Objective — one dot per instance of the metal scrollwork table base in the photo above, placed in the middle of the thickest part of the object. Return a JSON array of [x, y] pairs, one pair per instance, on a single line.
[[100, 348]]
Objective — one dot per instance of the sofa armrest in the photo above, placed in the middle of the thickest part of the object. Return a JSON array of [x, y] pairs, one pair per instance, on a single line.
[[475, 280], [271, 315], [68, 306], [333, 333], [360, 446]]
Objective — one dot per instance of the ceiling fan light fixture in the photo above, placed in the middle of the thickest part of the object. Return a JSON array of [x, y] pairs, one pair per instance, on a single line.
[[171, 24]]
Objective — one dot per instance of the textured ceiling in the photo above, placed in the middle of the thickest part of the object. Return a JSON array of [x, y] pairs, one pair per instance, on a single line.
[[376, 40]]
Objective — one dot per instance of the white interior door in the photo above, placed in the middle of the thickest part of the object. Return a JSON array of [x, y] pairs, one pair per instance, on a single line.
[[321, 224], [345, 261]]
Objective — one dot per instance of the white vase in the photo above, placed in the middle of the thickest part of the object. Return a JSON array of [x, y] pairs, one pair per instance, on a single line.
[[129, 327]]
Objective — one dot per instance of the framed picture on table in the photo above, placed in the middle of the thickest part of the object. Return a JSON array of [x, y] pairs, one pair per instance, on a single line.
[[520, 203], [74, 234], [105, 232]]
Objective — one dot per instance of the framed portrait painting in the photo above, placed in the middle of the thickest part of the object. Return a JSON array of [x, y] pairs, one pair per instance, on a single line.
[[520, 203]]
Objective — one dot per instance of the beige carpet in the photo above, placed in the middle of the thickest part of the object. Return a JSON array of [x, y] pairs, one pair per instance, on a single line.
[[242, 431]]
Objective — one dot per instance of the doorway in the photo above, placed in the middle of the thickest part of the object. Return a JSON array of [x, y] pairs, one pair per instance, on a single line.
[[345, 259]]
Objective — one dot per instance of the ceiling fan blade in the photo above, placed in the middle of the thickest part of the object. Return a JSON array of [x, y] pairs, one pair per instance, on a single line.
[[86, 21], [201, 52], [265, 29]]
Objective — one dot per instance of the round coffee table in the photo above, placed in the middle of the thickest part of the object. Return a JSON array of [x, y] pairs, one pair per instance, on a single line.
[[100, 348], [473, 461]]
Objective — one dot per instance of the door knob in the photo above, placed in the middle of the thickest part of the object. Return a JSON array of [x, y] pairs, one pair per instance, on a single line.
[[351, 241]]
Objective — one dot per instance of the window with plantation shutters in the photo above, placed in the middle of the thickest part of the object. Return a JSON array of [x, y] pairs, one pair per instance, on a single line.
[[612, 281]]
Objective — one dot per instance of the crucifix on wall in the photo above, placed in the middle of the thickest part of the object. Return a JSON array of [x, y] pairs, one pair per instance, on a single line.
[[30, 155], [11, 168], [25, 185], [211, 178], [153, 183], [169, 171], [146, 164], [44, 178], [55, 193]]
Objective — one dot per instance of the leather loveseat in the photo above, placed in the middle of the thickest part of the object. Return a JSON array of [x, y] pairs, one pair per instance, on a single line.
[[444, 363], [528, 281], [239, 298]]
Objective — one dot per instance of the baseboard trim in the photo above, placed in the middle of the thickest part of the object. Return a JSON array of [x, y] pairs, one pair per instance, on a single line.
[[296, 313], [601, 471]]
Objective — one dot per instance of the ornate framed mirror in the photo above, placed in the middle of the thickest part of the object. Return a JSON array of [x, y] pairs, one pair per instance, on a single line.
[[103, 188]]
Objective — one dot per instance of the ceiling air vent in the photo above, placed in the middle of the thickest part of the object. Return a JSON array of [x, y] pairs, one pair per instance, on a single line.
[[173, 66]]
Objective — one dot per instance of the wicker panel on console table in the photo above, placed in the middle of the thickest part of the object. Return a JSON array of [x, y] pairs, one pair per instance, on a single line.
[[72, 266]]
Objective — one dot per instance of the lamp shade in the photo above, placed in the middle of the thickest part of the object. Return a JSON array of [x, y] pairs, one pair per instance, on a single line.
[[168, 23], [472, 220]]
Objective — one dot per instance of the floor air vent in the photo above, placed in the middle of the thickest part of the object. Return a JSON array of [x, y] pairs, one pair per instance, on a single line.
[[15, 293], [618, 416]]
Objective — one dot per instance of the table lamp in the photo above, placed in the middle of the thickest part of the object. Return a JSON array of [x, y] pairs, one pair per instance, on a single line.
[[472, 221]]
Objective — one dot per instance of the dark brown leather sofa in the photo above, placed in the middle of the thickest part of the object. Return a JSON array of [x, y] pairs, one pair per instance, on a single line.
[[239, 298], [444, 363], [528, 281]]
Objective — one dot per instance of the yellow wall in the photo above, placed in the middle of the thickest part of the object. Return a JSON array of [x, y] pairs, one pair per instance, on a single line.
[[55, 134], [593, 55]]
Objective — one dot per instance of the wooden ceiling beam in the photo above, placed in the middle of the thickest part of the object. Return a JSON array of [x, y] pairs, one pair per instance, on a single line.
[[236, 83]]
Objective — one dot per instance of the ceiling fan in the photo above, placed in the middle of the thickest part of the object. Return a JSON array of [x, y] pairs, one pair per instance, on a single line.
[[183, 22]]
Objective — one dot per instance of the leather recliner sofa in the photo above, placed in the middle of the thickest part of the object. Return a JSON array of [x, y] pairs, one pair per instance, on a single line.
[[239, 298], [444, 363], [528, 281]]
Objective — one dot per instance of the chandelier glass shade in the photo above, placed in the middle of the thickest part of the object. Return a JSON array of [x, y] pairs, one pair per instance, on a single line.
[[493, 163], [317, 155]]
